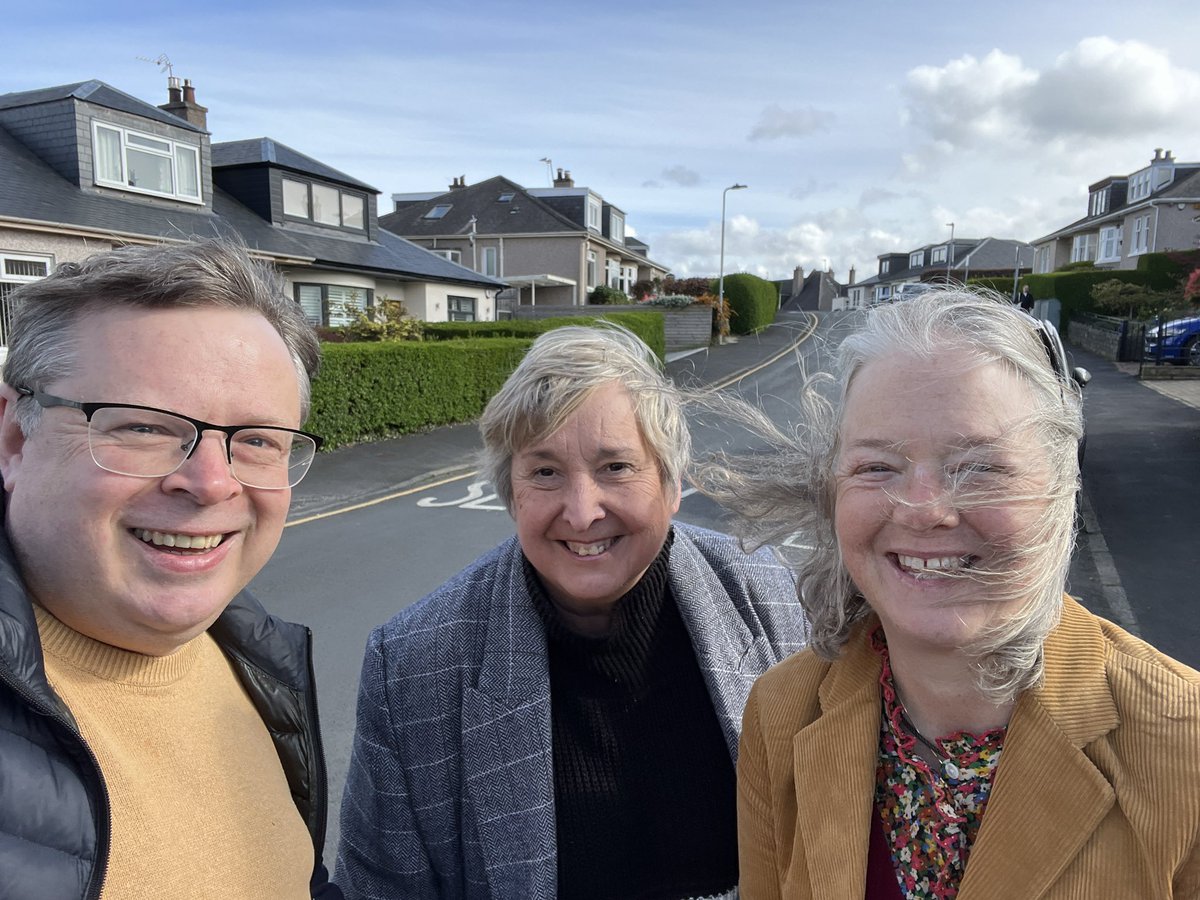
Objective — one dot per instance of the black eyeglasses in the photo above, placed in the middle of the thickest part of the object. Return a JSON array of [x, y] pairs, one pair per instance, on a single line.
[[146, 442]]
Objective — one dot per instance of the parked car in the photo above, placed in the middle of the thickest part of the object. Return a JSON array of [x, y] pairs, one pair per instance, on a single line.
[[1180, 341], [909, 291]]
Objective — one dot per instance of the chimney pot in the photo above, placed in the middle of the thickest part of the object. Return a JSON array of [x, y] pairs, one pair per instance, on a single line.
[[1157, 154], [183, 103], [189, 92]]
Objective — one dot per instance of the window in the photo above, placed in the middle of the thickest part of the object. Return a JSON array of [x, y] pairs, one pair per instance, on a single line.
[[438, 211], [884, 265], [1043, 259], [1099, 202], [15, 270], [628, 277], [1110, 244], [489, 262], [332, 304], [916, 260], [612, 272], [506, 197], [144, 163], [616, 227], [1141, 235], [1083, 247], [1139, 185], [593, 214], [454, 256], [938, 255], [882, 292], [323, 204], [460, 309], [591, 269]]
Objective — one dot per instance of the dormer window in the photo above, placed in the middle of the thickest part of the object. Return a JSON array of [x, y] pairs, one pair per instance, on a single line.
[[938, 255], [1099, 202], [438, 211], [915, 260], [145, 163], [616, 227], [323, 204], [884, 265], [593, 214]]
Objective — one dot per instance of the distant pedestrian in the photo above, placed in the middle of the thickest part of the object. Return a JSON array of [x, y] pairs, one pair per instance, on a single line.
[[1026, 299]]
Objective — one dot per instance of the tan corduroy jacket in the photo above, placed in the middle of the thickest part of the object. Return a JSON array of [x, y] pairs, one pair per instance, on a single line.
[[1097, 794]]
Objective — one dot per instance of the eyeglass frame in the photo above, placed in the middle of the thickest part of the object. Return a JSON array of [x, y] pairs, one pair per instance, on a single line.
[[48, 401]]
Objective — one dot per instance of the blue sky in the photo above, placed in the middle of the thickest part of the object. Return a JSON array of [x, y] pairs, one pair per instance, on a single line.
[[860, 127]]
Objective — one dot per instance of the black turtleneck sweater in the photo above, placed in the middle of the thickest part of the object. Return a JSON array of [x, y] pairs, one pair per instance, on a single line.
[[644, 790]]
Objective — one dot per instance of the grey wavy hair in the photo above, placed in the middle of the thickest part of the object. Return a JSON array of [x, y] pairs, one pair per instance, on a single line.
[[790, 488], [562, 369], [49, 317]]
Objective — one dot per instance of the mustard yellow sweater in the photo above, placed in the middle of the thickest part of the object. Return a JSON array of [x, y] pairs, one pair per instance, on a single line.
[[200, 804]]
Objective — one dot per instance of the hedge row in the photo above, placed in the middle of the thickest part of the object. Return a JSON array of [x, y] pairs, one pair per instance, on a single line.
[[1073, 287], [368, 391], [646, 325], [376, 390], [753, 302]]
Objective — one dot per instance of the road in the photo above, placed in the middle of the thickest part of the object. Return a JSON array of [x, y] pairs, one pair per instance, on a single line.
[[359, 559]]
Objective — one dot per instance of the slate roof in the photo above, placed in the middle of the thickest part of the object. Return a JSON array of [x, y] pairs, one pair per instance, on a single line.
[[31, 190], [523, 214], [102, 95], [265, 150]]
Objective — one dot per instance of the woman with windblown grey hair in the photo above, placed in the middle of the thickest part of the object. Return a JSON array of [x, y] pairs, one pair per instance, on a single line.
[[959, 726]]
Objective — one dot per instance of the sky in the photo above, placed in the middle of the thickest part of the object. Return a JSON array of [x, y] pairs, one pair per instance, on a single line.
[[860, 128]]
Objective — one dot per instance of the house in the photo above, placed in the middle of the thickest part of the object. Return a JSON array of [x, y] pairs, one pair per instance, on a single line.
[[1152, 210], [816, 291], [955, 260], [85, 167], [552, 245]]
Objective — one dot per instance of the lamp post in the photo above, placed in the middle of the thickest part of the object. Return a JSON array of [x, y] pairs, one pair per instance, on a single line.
[[721, 279], [950, 253]]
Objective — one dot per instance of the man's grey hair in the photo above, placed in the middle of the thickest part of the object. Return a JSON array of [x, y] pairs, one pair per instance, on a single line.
[[562, 369], [791, 488], [49, 316]]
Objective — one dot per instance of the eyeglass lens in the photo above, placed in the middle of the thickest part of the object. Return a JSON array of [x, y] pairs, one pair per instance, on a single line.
[[152, 444]]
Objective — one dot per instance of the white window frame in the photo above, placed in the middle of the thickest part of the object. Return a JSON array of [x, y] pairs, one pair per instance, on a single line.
[[1083, 247], [1109, 244], [593, 269], [882, 292], [916, 259], [1140, 242], [454, 256], [439, 211], [884, 265], [616, 227], [1043, 259], [612, 272], [1099, 203], [628, 277], [594, 213], [1140, 185], [938, 255], [331, 315], [172, 155], [489, 261]]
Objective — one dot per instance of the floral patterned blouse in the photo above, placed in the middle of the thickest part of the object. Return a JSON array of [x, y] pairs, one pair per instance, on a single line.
[[930, 818]]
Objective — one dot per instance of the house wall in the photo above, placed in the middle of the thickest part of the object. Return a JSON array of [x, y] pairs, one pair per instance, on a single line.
[[62, 248], [1178, 229], [427, 300]]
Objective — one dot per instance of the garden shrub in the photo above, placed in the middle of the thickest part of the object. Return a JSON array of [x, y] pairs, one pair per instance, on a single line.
[[672, 301], [607, 296], [753, 302], [646, 325]]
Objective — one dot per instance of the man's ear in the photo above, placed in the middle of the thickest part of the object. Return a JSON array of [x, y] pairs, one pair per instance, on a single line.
[[12, 439]]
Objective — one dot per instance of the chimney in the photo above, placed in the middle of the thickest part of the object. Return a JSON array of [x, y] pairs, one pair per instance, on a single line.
[[458, 183], [851, 275], [564, 179], [185, 107], [1157, 154]]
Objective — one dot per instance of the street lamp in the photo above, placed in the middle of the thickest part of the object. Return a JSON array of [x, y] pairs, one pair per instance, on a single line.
[[950, 253], [721, 280]]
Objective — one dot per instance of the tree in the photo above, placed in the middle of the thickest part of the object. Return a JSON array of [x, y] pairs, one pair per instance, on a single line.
[[1134, 301]]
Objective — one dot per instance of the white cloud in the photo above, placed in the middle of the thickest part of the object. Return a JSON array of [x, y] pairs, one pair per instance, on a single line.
[[776, 122]]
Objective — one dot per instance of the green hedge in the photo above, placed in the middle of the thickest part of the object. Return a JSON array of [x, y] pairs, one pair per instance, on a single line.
[[753, 302], [646, 325], [377, 390]]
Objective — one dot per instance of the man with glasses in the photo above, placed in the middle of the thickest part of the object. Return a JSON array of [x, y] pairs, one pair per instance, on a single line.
[[158, 729]]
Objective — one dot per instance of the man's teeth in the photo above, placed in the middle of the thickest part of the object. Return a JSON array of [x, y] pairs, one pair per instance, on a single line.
[[934, 565], [589, 549], [179, 541]]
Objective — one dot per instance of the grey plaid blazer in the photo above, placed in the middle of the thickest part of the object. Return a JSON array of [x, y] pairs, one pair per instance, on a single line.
[[450, 792]]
